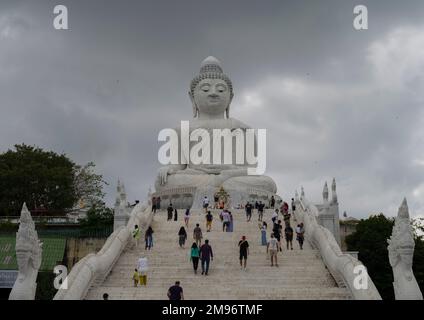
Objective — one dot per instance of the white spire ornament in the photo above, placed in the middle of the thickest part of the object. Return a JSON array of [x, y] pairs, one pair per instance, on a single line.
[[334, 193], [325, 193]]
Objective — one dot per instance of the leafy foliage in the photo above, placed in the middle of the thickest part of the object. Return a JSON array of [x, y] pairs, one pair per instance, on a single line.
[[418, 262], [42, 179], [88, 185], [98, 216], [45, 180]]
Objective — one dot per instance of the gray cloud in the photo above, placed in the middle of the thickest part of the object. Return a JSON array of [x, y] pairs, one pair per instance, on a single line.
[[336, 102]]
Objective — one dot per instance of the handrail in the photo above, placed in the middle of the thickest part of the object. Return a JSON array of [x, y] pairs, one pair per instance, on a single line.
[[95, 267], [340, 265]]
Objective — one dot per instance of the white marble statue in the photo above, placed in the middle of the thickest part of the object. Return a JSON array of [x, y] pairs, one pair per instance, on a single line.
[[401, 252], [28, 256], [211, 93]]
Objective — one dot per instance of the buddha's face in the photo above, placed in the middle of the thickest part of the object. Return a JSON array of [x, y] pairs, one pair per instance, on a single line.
[[212, 96]]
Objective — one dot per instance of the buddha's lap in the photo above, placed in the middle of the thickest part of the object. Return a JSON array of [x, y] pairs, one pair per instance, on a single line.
[[180, 180]]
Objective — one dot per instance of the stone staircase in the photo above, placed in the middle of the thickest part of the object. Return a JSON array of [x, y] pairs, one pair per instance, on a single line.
[[301, 273]]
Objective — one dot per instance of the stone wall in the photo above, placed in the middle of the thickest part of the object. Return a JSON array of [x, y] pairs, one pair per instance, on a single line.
[[76, 249]]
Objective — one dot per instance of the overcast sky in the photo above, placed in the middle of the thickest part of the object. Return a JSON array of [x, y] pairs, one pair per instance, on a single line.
[[336, 102]]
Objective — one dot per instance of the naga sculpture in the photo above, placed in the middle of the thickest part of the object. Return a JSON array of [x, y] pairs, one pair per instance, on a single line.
[[401, 252], [28, 256]]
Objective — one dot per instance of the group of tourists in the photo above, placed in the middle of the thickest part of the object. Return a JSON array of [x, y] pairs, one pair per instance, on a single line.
[[148, 237], [140, 273], [203, 253], [171, 211]]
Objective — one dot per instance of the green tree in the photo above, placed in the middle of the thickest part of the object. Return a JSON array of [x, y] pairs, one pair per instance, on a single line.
[[98, 216], [45, 180], [88, 185], [418, 262], [42, 179]]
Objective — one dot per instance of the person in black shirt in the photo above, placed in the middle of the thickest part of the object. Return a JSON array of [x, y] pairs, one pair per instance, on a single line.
[[175, 292], [277, 229], [248, 209], [182, 237], [244, 251], [148, 237], [170, 209], [260, 211], [272, 202], [206, 255], [288, 232], [209, 219]]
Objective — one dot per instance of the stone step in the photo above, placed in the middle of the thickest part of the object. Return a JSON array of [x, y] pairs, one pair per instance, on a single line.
[[301, 273]]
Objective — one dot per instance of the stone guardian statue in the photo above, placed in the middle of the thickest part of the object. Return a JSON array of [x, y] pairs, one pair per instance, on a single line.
[[401, 252], [28, 256]]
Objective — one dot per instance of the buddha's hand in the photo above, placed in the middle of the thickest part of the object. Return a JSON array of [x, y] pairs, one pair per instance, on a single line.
[[163, 175]]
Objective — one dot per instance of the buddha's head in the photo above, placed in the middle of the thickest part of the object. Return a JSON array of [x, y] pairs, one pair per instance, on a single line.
[[211, 91]]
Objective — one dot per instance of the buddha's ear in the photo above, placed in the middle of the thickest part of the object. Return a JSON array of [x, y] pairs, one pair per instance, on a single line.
[[227, 110], [195, 110]]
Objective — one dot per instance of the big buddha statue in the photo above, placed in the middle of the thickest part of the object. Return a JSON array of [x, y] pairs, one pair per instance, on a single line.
[[186, 184]]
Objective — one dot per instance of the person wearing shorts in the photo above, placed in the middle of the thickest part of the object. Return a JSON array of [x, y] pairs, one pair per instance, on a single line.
[[209, 219], [205, 203], [272, 248]]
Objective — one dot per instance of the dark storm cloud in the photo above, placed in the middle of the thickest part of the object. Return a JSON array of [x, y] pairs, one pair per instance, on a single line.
[[336, 102]]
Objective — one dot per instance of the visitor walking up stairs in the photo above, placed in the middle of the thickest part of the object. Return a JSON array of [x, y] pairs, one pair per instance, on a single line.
[[301, 274]]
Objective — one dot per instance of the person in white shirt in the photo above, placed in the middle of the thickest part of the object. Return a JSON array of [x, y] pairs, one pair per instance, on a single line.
[[205, 202], [300, 235], [143, 267], [225, 220], [274, 216], [273, 248]]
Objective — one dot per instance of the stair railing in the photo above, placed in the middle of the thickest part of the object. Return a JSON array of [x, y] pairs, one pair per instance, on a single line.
[[343, 267], [94, 268]]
